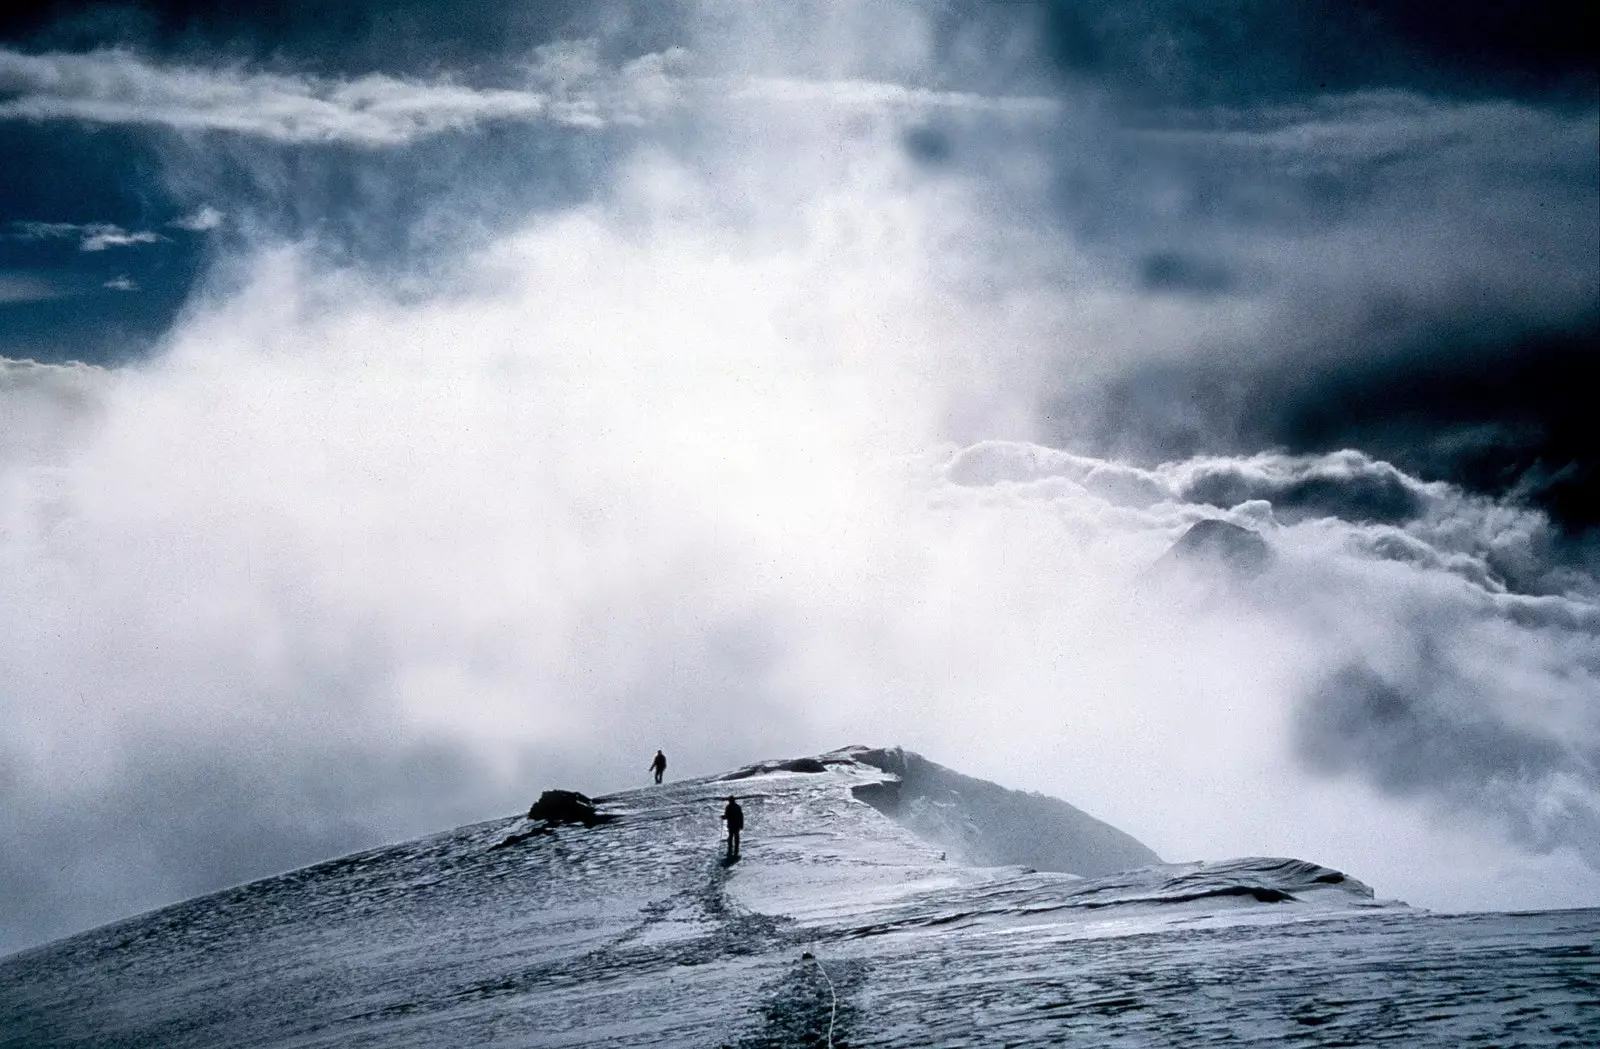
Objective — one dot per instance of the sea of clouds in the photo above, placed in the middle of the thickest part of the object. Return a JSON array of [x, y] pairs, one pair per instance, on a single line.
[[745, 455]]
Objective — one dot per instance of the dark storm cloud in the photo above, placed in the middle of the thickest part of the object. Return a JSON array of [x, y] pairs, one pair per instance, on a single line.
[[928, 145], [1429, 274], [1410, 187], [1193, 51], [1169, 50], [338, 36], [1509, 416], [1351, 487], [1173, 271], [1427, 732], [1502, 414]]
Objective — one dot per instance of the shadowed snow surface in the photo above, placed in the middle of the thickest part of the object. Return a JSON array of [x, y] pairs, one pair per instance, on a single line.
[[982, 823], [636, 932]]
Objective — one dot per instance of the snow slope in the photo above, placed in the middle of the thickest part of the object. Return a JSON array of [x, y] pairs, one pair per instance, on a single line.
[[637, 932], [982, 823]]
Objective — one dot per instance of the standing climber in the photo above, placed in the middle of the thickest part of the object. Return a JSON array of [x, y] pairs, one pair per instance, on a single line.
[[735, 817], [659, 765]]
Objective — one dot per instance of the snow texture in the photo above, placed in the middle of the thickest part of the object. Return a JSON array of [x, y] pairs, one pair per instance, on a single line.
[[981, 823], [638, 932]]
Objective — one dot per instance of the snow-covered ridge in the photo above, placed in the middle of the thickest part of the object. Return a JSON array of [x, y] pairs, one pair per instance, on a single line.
[[979, 823], [956, 848], [634, 929], [985, 824]]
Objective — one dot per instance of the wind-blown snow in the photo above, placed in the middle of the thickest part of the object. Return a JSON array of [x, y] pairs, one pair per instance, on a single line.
[[637, 932]]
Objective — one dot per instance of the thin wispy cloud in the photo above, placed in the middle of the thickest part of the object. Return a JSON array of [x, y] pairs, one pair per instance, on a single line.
[[566, 86], [881, 96], [1371, 126], [92, 236], [122, 282], [202, 220], [118, 87], [102, 237]]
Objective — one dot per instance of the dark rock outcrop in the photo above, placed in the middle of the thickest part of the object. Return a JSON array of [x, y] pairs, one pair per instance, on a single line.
[[556, 807]]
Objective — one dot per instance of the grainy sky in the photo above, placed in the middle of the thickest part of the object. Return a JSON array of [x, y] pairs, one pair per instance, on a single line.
[[407, 407]]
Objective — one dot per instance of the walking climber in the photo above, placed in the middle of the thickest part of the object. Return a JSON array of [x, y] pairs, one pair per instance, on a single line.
[[659, 765], [735, 817]]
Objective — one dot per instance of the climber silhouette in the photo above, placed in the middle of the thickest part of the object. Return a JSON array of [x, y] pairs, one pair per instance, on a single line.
[[735, 817], [659, 765]]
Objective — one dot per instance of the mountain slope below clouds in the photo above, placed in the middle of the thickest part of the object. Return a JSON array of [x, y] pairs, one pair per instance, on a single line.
[[837, 924], [984, 824]]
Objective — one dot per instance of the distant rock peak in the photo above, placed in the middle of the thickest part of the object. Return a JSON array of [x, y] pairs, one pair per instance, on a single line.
[[1218, 545]]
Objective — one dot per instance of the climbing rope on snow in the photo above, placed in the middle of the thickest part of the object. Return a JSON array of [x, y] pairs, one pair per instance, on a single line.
[[834, 1015]]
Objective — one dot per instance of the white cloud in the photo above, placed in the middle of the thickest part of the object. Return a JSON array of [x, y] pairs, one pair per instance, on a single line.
[[640, 485], [567, 85], [738, 457], [879, 96], [44, 230], [121, 283], [99, 238], [118, 87], [93, 236], [203, 220], [44, 410]]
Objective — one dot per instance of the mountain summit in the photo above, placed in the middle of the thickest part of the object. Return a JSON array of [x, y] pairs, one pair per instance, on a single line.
[[849, 920]]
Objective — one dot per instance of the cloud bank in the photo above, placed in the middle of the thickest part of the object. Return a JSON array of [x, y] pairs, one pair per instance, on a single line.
[[342, 564], [804, 424]]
